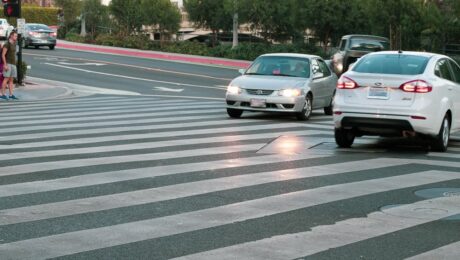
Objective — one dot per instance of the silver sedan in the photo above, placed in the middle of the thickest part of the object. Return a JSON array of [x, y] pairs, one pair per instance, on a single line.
[[281, 82]]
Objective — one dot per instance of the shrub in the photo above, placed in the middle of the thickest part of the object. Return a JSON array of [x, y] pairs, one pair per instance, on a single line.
[[73, 37], [36, 14]]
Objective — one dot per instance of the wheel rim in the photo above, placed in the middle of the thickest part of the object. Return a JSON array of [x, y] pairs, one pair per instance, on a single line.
[[445, 132], [307, 107]]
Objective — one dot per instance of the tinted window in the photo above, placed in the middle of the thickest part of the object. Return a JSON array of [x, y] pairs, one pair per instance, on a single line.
[[442, 70], [343, 43], [280, 66], [400, 64], [324, 68], [363, 44], [456, 70], [38, 27]]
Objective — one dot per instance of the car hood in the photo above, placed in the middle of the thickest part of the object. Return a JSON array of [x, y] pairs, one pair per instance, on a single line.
[[268, 82]]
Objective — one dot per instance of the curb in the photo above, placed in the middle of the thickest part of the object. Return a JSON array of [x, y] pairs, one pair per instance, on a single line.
[[153, 54]]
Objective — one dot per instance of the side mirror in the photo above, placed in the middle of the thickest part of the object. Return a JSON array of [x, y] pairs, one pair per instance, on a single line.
[[242, 71]]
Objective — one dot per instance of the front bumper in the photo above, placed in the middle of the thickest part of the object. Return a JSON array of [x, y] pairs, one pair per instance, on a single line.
[[272, 103]]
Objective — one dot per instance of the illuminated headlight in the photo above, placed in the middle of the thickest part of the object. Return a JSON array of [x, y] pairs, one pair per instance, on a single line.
[[290, 92], [233, 90]]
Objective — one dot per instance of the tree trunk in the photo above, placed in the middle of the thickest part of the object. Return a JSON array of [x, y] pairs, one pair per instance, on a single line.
[[235, 30], [83, 26]]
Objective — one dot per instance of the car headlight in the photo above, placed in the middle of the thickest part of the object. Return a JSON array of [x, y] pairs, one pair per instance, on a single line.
[[233, 90], [291, 92]]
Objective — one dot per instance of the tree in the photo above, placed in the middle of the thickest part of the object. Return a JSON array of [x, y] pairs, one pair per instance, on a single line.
[[71, 9], [127, 14], [94, 14], [161, 14]]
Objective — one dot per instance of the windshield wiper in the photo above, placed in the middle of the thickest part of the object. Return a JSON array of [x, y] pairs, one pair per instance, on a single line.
[[254, 73], [284, 75]]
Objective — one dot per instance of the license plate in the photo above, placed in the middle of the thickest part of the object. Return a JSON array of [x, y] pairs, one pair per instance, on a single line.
[[255, 102], [378, 93]]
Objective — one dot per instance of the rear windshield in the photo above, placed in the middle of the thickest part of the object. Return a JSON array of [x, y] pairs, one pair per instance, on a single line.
[[363, 44], [38, 27], [392, 64]]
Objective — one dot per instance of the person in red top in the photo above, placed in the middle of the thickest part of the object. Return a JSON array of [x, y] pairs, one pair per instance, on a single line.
[[9, 65]]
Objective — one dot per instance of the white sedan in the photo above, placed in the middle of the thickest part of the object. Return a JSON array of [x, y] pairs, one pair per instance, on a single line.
[[281, 82], [399, 94]]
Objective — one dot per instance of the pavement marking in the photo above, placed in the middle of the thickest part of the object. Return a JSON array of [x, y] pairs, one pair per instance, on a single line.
[[168, 89], [187, 97], [150, 172], [322, 238], [134, 78], [448, 252], [139, 197], [282, 247], [134, 66], [82, 64]]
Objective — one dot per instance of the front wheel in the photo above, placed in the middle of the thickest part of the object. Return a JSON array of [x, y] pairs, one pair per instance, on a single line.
[[344, 137], [307, 109], [234, 113], [441, 141], [52, 47]]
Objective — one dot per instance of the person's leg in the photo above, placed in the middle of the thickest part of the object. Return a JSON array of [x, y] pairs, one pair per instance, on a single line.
[[11, 86], [14, 74], [4, 83]]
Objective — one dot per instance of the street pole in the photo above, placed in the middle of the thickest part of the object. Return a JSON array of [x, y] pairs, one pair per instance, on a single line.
[[19, 64]]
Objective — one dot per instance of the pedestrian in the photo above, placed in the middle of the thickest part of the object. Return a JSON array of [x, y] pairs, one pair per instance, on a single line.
[[9, 65]]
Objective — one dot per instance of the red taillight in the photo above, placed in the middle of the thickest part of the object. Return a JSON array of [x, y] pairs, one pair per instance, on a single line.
[[337, 113], [346, 83], [416, 86], [418, 117]]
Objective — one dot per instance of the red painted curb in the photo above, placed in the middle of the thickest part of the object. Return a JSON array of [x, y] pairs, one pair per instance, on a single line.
[[165, 56]]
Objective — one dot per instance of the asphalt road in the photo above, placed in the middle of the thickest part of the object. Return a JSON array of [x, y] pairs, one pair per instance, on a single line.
[[144, 76], [154, 177]]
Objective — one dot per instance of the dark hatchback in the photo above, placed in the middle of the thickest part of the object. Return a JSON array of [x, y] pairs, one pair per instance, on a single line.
[[39, 35]]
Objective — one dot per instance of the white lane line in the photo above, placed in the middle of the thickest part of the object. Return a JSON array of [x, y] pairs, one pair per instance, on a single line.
[[188, 97], [445, 155], [133, 66], [12, 137], [147, 145], [168, 89], [106, 117], [71, 207], [91, 239], [124, 175], [448, 252], [59, 165], [133, 78], [322, 238]]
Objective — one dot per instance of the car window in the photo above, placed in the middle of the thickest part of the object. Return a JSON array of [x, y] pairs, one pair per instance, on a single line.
[[365, 44], [442, 70], [400, 64], [455, 70], [343, 43], [324, 68], [280, 65]]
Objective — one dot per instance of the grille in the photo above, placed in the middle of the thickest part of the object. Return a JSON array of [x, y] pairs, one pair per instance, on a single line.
[[259, 92]]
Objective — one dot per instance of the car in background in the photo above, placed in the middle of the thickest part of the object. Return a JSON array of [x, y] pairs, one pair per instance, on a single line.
[[39, 35], [353, 47], [283, 82], [5, 28], [395, 93]]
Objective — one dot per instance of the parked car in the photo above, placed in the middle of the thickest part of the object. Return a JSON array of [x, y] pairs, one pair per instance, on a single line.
[[280, 82], [352, 47], [399, 94], [5, 28], [39, 35]]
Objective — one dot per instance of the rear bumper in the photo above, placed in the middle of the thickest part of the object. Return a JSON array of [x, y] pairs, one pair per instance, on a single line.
[[40, 42]]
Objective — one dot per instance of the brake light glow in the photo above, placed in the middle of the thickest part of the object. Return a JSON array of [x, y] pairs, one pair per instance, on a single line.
[[416, 86], [346, 83]]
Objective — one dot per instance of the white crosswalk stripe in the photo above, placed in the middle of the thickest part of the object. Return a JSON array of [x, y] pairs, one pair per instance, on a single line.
[[88, 178]]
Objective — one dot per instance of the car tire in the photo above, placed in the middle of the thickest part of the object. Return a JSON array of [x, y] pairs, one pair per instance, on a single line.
[[36, 46], [306, 110], [441, 141], [234, 113], [329, 109], [52, 47], [344, 137]]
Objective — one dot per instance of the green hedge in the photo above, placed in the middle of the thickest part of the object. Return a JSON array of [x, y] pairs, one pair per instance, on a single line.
[[36, 14]]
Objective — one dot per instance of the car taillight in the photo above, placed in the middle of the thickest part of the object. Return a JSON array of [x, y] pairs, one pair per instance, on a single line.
[[416, 86], [346, 83]]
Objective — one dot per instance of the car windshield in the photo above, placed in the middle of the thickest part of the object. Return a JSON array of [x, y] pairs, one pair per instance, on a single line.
[[362, 44], [280, 66], [38, 27], [400, 64]]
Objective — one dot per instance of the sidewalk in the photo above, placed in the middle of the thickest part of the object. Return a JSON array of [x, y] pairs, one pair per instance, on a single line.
[[153, 54]]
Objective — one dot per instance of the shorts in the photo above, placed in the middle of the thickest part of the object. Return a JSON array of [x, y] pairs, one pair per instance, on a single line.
[[12, 72]]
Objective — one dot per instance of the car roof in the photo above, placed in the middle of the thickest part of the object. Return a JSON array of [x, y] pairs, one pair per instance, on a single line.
[[293, 55], [416, 53], [364, 36]]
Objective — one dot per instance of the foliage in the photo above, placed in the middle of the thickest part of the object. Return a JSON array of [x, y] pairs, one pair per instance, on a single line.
[[167, 21], [96, 15], [35, 14], [71, 10], [73, 37], [23, 71], [126, 15]]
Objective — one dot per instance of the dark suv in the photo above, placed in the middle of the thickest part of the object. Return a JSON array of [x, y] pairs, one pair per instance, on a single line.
[[352, 47]]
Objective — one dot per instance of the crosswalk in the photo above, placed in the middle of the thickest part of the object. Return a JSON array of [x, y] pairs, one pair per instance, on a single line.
[[113, 177]]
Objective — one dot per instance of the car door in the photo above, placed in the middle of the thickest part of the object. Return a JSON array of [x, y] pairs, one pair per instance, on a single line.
[[329, 84], [456, 92], [449, 87], [317, 84]]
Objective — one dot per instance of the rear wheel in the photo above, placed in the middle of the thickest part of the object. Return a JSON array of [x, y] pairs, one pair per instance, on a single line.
[[441, 141], [36, 46], [234, 113], [344, 137], [307, 109]]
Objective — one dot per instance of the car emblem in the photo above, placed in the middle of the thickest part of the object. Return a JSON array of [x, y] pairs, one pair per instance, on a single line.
[[377, 84], [259, 92]]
